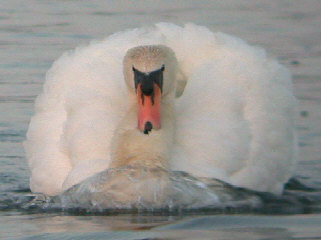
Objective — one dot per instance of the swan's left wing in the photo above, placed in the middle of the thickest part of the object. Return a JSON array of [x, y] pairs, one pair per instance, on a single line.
[[235, 119]]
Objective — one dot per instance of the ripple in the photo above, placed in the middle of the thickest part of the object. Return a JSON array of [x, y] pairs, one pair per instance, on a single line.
[[11, 135]]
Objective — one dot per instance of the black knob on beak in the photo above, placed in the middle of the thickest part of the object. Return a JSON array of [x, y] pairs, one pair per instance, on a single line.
[[147, 80], [147, 86]]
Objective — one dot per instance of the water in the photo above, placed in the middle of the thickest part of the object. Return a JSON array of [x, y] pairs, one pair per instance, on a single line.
[[35, 33]]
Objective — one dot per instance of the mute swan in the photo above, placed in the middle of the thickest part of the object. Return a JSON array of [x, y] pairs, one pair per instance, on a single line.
[[233, 118]]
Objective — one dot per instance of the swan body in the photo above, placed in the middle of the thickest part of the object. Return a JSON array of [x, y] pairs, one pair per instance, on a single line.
[[227, 111]]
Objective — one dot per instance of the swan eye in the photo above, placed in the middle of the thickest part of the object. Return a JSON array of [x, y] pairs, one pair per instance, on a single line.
[[157, 77], [138, 77]]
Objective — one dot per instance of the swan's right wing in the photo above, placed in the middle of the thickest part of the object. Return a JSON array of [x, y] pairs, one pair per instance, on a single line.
[[82, 101]]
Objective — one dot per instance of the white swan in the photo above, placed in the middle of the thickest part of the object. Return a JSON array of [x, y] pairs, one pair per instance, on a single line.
[[233, 121]]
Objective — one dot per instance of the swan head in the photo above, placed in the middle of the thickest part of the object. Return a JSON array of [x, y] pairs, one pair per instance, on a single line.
[[150, 73]]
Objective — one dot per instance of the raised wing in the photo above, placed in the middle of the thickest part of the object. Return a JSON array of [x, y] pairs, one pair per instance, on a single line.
[[76, 114], [235, 119]]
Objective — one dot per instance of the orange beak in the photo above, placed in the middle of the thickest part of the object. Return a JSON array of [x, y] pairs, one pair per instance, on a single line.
[[149, 109]]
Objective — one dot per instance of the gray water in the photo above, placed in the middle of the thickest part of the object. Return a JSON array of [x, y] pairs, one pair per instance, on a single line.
[[35, 33]]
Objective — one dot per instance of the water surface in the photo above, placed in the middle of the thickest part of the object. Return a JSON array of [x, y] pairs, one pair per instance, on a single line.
[[35, 33]]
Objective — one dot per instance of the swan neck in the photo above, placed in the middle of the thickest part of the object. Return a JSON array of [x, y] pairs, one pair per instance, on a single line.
[[133, 147]]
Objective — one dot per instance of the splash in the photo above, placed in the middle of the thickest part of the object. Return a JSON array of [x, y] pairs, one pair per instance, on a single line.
[[157, 191], [148, 189]]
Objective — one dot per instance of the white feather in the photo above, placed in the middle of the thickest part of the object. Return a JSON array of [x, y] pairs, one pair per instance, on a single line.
[[234, 119]]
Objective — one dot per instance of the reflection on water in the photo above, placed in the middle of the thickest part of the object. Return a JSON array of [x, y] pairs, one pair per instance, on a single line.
[[35, 33], [52, 226]]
